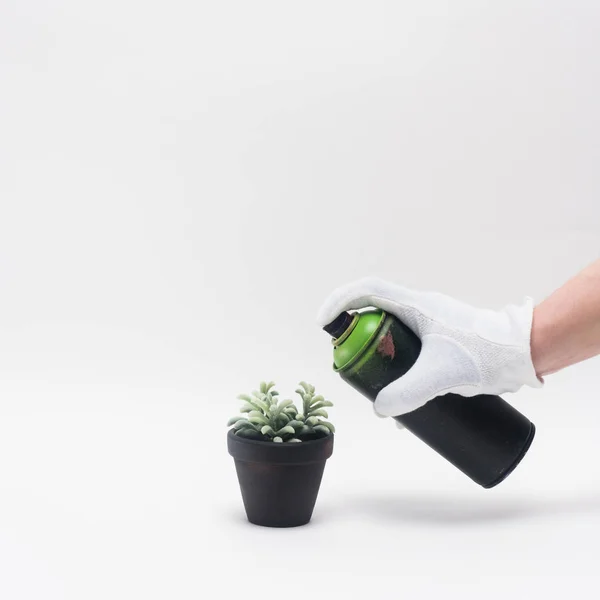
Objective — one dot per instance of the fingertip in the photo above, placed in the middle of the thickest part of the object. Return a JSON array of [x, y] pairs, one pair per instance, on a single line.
[[327, 313], [396, 399], [377, 414], [353, 295], [320, 318], [385, 406]]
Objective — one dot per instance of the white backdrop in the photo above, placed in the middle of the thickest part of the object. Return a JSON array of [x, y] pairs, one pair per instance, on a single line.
[[181, 184]]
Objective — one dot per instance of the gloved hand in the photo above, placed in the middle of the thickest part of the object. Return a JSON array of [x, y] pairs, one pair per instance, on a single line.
[[465, 350]]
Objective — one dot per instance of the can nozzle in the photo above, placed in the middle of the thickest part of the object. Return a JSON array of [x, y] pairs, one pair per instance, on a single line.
[[340, 324]]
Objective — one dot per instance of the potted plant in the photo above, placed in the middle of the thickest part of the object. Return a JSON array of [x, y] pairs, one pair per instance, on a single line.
[[280, 453]]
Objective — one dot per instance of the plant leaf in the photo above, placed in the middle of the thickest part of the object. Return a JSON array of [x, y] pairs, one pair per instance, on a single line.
[[305, 386], [296, 424], [234, 420], [321, 404], [267, 430], [260, 404], [256, 403], [243, 423], [317, 399], [285, 403], [328, 425], [275, 409], [322, 429], [312, 421], [248, 433], [277, 439], [306, 403], [283, 406], [294, 440], [286, 429], [256, 413], [284, 418], [320, 412], [257, 417]]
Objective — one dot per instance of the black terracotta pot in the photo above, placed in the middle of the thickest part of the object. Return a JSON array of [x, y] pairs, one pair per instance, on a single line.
[[279, 481]]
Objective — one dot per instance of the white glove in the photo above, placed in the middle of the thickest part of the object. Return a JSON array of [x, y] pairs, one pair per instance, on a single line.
[[466, 350]]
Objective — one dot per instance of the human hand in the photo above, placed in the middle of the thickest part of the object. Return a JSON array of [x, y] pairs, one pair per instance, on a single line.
[[465, 350]]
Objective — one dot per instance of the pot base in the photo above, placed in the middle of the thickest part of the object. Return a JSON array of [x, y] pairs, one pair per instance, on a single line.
[[279, 495]]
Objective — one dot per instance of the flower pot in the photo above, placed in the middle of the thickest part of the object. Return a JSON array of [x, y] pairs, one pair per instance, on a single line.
[[279, 481]]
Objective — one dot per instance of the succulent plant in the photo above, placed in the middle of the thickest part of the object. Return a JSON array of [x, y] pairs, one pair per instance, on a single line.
[[269, 419]]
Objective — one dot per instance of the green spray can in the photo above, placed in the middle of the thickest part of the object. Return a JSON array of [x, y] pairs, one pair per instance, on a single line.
[[483, 436]]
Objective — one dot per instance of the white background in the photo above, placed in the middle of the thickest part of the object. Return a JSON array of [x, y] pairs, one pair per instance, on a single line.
[[181, 185]]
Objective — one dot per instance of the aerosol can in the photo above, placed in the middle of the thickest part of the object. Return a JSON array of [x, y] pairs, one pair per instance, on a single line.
[[483, 436]]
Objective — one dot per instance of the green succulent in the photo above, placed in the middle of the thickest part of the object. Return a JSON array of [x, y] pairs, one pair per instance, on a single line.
[[269, 419]]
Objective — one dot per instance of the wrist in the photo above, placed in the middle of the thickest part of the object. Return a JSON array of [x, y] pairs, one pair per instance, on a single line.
[[543, 344]]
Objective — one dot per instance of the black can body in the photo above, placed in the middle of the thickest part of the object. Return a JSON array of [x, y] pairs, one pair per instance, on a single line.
[[483, 436]]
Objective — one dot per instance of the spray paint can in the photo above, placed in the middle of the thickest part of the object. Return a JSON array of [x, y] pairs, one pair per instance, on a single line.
[[483, 436]]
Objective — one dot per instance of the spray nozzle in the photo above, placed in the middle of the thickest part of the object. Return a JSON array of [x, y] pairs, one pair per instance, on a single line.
[[340, 324]]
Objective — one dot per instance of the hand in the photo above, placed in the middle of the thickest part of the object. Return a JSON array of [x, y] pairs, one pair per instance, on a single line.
[[397, 423], [466, 350]]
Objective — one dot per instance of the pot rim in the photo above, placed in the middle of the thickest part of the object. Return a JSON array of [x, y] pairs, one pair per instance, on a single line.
[[282, 444], [249, 450]]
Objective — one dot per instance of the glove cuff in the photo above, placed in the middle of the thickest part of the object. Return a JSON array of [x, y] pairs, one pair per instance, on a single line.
[[521, 370]]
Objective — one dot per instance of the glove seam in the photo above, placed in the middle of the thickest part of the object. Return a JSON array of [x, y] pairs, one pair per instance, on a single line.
[[467, 331], [448, 390]]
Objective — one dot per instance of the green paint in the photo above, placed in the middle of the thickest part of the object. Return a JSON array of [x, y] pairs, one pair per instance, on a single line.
[[347, 348]]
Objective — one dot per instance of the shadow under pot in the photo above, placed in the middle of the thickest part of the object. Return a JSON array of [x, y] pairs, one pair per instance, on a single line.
[[279, 481]]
